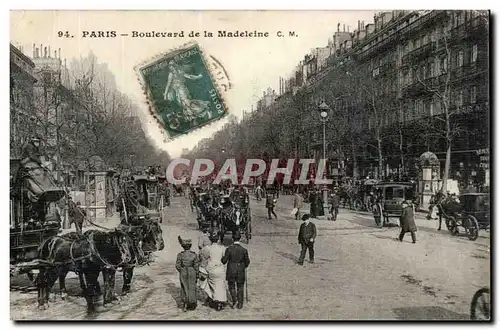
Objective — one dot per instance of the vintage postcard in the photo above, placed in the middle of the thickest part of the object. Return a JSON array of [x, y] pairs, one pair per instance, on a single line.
[[250, 165]]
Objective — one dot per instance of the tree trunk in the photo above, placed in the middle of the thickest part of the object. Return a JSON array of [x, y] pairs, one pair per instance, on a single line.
[[401, 154], [380, 160], [355, 173], [447, 164]]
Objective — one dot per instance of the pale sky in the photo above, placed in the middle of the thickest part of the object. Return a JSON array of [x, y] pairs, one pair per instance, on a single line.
[[253, 65]]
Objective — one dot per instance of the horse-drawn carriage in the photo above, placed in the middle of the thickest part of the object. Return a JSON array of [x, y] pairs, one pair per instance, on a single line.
[[207, 211], [359, 197], [164, 191], [389, 199], [30, 221], [235, 216], [140, 197], [471, 212]]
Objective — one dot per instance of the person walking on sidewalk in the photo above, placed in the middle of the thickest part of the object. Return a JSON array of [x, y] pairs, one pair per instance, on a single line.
[[76, 215], [407, 221], [270, 204], [237, 260], [335, 204], [307, 236], [297, 204]]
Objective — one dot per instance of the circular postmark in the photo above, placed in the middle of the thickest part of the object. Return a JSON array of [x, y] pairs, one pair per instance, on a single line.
[[219, 73]]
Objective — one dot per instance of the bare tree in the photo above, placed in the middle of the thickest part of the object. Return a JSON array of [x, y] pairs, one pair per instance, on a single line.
[[363, 94]]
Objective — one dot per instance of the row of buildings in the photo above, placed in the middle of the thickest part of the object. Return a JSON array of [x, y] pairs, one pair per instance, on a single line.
[[43, 104], [423, 68], [40, 96]]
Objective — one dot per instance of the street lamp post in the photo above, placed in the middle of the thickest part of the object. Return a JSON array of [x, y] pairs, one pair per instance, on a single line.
[[323, 111]]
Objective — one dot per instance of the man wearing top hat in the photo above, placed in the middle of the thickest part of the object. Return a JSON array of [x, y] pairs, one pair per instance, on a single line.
[[237, 260]]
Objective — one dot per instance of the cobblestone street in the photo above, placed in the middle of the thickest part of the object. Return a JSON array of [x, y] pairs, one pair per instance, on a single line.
[[361, 272]]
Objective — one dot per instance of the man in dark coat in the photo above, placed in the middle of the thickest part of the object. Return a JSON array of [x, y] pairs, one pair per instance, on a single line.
[[307, 236], [76, 214], [335, 204], [276, 187], [320, 210], [407, 221], [236, 257], [270, 204], [313, 196]]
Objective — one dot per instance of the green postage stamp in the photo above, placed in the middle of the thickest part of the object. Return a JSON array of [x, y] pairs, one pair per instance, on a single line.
[[181, 91]]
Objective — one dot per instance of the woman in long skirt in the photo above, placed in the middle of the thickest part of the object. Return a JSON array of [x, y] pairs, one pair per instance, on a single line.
[[216, 273], [187, 265]]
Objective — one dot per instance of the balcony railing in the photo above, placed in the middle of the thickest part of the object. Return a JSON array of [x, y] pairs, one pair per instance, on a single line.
[[421, 22], [378, 47], [469, 28], [468, 70], [418, 53], [434, 82], [413, 89]]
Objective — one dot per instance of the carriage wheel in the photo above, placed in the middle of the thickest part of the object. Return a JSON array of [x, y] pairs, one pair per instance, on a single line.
[[378, 214], [480, 308], [472, 228], [448, 223]]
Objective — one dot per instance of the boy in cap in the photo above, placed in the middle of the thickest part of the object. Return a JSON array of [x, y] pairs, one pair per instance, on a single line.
[[307, 236]]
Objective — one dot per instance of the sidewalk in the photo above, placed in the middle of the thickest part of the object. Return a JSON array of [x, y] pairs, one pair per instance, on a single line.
[[285, 206]]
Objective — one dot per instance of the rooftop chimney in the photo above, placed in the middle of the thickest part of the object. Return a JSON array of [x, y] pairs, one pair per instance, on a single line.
[[48, 53], [41, 50], [34, 53], [59, 53], [338, 27], [55, 53]]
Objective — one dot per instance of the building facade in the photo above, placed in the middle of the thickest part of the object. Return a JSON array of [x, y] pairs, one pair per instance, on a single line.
[[22, 81], [414, 63], [54, 107]]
